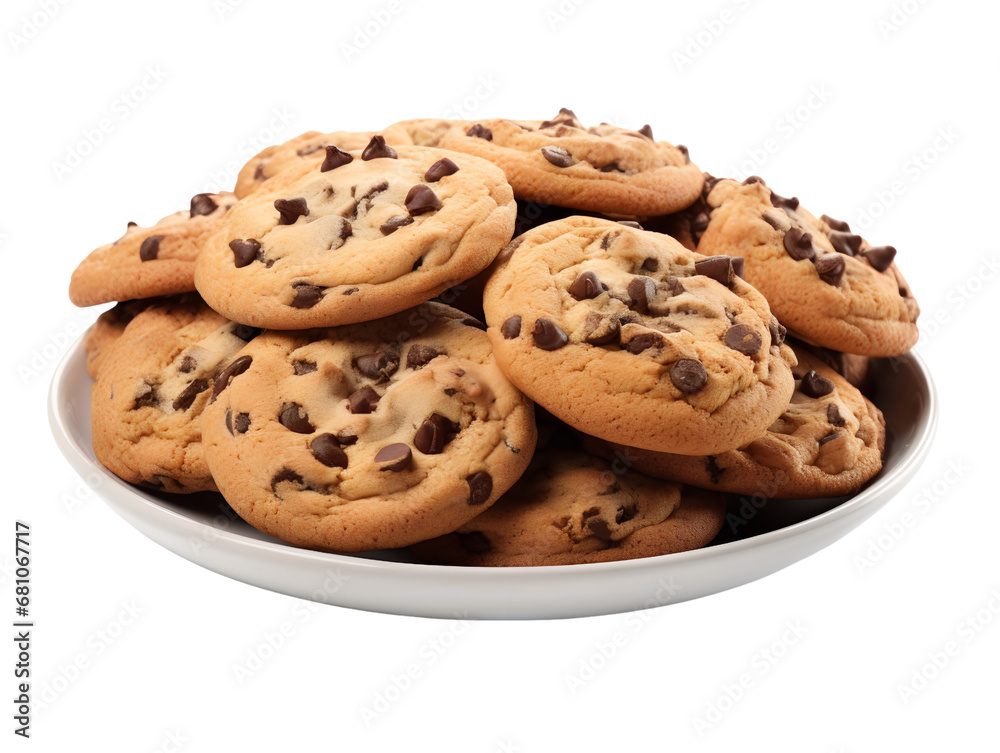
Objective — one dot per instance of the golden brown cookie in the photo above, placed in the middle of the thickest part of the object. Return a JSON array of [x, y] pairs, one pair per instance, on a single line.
[[571, 508]]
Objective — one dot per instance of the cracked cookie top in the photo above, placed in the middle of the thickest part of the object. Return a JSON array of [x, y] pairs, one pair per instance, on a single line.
[[601, 168], [152, 386], [622, 333], [573, 508], [350, 236], [150, 261], [368, 436]]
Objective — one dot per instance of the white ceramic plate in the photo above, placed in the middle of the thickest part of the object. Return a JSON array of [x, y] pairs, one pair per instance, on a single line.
[[758, 539]]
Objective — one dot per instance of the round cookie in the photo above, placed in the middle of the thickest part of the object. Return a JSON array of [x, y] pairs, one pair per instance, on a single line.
[[368, 436], [151, 261], [626, 335], [828, 442], [602, 169], [346, 237], [823, 282], [570, 508], [152, 386]]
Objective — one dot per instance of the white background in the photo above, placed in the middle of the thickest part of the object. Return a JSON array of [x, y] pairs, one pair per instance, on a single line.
[[834, 103]]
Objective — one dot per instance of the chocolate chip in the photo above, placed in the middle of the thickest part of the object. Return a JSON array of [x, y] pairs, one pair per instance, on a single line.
[[146, 397], [285, 475], [294, 418], [421, 199], [380, 366], [772, 219], [799, 245], [306, 295], [394, 457], [829, 438], [326, 449], [814, 385], [880, 257], [201, 204], [651, 264], [565, 116], [586, 286], [641, 290], [440, 169], [608, 239], [642, 342], [611, 167], [688, 375], [753, 179], [131, 225], [470, 322], [480, 487], [836, 224], [780, 202], [600, 529], [647, 131], [601, 330], [244, 251], [335, 157], [558, 156], [290, 210], [686, 152], [304, 367], [713, 469], [777, 331], [350, 291], [548, 336], [228, 374], [625, 514], [188, 364], [393, 224], [363, 400], [722, 269], [743, 339], [245, 332], [434, 434], [242, 423], [833, 415], [347, 437], [831, 269], [474, 542], [229, 422], [845, 243], [150, 248], [479, 131], [420, 355], [187, 397], [378, 149], [511, 328]]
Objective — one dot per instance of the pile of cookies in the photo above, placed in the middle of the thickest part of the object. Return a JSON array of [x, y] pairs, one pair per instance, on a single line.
[[495, 342]]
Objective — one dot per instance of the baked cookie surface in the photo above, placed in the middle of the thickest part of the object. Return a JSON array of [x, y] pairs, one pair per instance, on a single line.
[[828, 442], [823, 282], [622, 333], [602, 168], [572, 508], [110, 325], [152, 385], [151, 261], [345, 236], [368, 436]]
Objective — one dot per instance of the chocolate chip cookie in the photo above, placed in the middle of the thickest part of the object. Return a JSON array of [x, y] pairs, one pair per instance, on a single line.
[[151, 387], [353, 236], [110, 325], [828, 285], [572, 508], [626, 335], [367, 436], [828, 442], [151, 261], [602, 168]]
